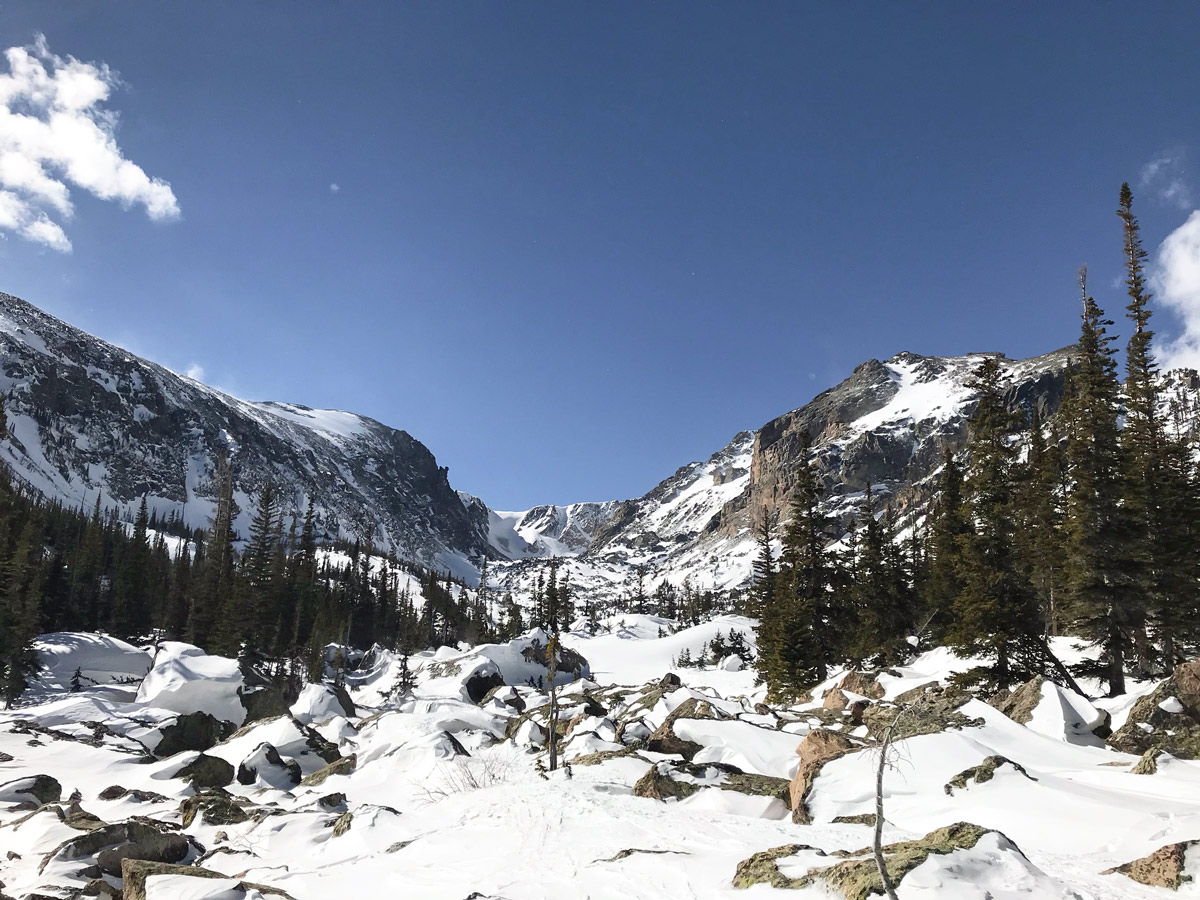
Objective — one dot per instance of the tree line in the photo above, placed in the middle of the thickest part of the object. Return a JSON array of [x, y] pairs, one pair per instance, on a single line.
[[281, 600], [1084, 524]]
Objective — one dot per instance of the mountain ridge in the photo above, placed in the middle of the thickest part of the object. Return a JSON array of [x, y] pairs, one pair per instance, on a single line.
[[89, 419]]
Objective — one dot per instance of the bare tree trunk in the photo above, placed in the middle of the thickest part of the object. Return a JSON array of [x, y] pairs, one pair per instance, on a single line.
[[1062, 670], [877, 845]]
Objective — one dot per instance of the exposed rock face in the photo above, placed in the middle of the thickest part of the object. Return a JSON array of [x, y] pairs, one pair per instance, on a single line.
[[1162, 868], [343, 766], [143, 842], [207, 772], [851, 450], [267, 762], [343, 823], [192, 731], [677, 780], [982, 773], [857, 878], [479, 685], [110, 844], [36, 789], [1148, 764], [761, 868], [864, 684], [664, 739], [630, 525], [216, 807], [925, 710], [79, 406], [134, 873], [818, 747], [116, 792], [1166, 719], [886, 425], [1020, 704]]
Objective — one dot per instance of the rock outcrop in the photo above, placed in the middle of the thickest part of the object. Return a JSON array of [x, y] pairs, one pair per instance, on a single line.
[[1166, 719]]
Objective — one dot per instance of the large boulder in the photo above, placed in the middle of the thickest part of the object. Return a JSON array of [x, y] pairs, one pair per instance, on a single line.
[[678, 780], [321, 702], [192, 731], [983, 773], [856, 876], [928, 709], [143, 842], [1019, 704], [1166, 719], [865, 684], [205, 772], [664, 739], [215, 807], [1165, 867], [267, 768], [343, 766], [110, 844], [32, 789], [1045, 707], [818, 747], [135, 874], [185, 679]]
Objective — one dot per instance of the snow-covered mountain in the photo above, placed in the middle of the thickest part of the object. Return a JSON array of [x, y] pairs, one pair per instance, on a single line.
[[87, 419], [542, 531], [885, 426]]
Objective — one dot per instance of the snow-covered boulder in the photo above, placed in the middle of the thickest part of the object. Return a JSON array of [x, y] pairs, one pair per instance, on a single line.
[[318, 703], [963, 861], [469, 675], [266, 768], [1066, 716], [98, 659], [186, 679]]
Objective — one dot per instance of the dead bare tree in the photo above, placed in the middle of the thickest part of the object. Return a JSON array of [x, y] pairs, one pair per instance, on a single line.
[[877, 845]]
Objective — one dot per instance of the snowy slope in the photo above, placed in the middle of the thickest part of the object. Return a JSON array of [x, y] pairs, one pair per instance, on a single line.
[[443, 798], [885, 426], [88, 420]]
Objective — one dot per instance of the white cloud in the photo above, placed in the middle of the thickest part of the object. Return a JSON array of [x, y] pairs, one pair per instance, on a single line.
[[54, 134], [1177, 283], [1166, 178], [334, 188], [195, 372]]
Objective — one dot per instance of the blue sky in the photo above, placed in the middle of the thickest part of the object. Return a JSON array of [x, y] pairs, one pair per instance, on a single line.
[[571, 246]]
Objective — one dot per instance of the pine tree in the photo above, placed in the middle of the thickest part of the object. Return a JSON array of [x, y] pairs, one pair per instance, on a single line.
[[1153, 558], [130, 611], [21, 594], [804, 634], [257, 608], [1039, 517], [1099, 583], [215, 621], [763, 603], [995, 612], [879, 601], [949, 524]]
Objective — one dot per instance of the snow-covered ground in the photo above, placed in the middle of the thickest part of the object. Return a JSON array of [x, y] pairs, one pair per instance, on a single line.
[[439, 794]]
